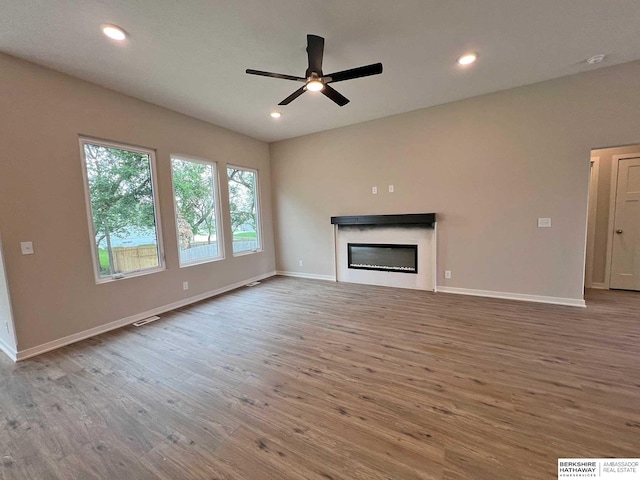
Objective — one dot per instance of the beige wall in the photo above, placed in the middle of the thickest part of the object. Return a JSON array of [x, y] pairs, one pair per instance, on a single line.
[[601, 220], [488, 166], [54, 293]]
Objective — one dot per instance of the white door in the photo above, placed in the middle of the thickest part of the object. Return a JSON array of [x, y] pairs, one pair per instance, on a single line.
[[625, 254]]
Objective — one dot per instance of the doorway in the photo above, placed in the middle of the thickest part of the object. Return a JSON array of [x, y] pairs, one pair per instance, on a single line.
[[613, 229]]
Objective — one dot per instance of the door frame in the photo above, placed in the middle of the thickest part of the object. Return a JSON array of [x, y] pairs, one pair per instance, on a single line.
[[594, 178], [613, 193], [10, 350]]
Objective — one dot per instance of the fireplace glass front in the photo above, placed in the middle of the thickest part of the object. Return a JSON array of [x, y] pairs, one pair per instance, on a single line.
[[383, 257]]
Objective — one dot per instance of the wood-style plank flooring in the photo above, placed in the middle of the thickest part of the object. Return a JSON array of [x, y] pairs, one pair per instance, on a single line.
[[302, 379]]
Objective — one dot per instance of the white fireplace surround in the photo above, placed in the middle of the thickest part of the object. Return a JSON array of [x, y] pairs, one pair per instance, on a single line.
[[421, 235]]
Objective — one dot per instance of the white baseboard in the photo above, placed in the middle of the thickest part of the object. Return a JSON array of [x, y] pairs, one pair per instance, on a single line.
[[572, 302], [6, 348], [599, 286], [76, 337], [311, 276]]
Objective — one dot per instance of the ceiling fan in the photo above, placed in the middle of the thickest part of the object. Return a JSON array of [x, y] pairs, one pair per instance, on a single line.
[[315, 80]]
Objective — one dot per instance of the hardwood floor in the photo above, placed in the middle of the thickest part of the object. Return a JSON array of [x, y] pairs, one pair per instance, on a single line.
[[302, 379]]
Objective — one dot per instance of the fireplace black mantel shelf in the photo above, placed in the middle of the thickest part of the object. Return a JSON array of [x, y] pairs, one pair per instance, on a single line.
[[426, 219]]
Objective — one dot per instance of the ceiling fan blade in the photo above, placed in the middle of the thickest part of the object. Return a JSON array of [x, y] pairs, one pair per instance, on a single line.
[[293, 96], [274, 75], [335, 95], [366, 71], [315, 52]]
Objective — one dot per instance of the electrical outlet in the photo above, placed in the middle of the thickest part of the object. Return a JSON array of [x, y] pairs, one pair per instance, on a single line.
[[185, 285], [447, 274], [374, 190], [391, 189], [300, 263]]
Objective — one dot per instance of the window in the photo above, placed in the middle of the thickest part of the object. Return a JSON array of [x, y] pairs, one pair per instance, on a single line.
[[245, 210], [123, 209], [194, 189]]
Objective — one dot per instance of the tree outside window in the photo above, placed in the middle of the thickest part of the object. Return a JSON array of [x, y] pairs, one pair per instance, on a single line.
[[119, 183], [194, 186], [243, 204]]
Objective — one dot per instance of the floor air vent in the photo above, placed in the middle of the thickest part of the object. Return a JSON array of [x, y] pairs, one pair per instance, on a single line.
[[139, 323], [252, 284]]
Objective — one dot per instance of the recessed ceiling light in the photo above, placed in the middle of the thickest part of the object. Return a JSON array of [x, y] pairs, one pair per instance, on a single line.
[[595, 59], [113, 31], [467, 58], [276, 114]]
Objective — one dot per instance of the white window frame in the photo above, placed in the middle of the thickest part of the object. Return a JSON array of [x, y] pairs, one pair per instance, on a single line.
[[258, 211], [216, 201], [156, 209]]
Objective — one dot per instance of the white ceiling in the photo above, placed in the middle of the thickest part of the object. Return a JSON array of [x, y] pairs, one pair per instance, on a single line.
[[190, 55]]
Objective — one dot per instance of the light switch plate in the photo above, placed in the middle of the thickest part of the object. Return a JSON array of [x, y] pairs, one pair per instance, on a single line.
[[391, 189], [26, 248], [544, 222]]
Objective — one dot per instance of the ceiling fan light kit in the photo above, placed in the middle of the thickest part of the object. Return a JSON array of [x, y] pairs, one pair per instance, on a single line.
[[315, 80], [314, 84]]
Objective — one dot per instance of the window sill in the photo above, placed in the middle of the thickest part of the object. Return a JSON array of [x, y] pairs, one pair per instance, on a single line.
[[124, 276], [247, 252]]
